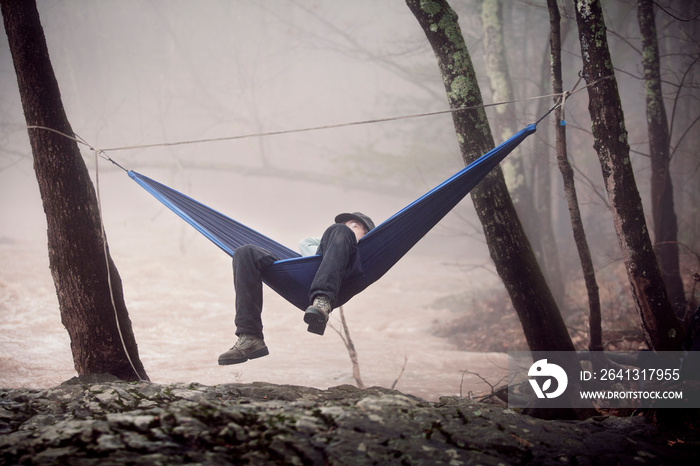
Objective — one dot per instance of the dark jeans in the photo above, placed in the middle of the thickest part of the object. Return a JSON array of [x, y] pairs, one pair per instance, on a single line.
[[339, 259]]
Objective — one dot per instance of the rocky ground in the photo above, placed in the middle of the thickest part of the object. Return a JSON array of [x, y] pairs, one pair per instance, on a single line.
[[87, 422]]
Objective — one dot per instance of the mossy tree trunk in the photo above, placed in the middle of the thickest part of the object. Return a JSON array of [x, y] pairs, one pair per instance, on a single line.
[[509, 247], [496, 65], [662, 330], [76, 249], [663, 212], [536, 223]]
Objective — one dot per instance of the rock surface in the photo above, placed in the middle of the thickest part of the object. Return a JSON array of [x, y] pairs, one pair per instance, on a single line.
[[88, 422]]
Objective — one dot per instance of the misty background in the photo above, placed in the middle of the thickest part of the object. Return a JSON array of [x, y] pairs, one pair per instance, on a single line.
[[135, 73]]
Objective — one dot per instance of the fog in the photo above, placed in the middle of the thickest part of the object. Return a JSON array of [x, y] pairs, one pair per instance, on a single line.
[[136, 74]]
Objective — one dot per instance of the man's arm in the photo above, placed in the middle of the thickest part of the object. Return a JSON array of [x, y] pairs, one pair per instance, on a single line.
[[308, 246]]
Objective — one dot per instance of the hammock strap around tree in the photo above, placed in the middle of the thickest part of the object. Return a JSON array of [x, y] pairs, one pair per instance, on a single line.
[[379, 250]]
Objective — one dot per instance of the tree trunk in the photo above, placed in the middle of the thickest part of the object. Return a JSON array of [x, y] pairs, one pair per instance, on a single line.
[[567, 174], [509, 248], [496, 64], [548, 253], [662, 208], [661, 329], [76, 250]]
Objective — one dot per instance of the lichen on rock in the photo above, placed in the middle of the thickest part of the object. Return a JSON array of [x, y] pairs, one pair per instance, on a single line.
[[144, 423]]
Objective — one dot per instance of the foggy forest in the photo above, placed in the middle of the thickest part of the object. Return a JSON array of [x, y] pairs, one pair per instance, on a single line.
[[282, 114]]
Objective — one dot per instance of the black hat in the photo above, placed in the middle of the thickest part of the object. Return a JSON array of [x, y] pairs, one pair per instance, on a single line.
[[359, 216]]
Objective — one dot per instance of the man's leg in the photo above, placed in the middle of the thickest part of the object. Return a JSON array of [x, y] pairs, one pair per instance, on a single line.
[[339, 255], [248, 260]]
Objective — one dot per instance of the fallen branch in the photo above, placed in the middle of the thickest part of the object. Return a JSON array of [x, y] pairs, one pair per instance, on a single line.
[[495, 392]]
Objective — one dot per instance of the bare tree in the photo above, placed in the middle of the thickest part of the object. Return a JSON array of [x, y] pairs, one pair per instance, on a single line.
[[496, 64], [662, 330], [543, 193], [509, 247], [522, 183], [89, 293], [567, 173], [662, 208]]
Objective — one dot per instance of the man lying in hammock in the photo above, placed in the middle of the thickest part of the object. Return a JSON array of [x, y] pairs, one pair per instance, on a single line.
[[337, 247]]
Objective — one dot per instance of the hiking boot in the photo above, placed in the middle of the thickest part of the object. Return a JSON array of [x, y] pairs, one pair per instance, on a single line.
[[247, 347], [317, 314]]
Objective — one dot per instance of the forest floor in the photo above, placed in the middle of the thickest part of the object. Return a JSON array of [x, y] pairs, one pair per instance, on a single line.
[[96, 422]]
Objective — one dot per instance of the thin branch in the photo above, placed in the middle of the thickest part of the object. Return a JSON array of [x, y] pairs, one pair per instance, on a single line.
[[674, 16], [347, 340], [405, 360], [492, 386]]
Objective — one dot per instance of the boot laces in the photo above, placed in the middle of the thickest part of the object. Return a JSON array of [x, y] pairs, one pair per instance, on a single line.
[[322, 302]]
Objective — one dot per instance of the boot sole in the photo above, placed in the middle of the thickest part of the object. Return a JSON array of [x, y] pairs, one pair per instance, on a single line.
[[316, 320], [253, 355]]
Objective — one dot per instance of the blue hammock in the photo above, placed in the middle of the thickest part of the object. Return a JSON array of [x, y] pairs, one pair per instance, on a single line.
[[379, 250]]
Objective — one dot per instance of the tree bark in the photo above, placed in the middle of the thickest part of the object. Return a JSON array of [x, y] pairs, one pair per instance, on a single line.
[[496, 65], [662, 330], [76, 249], [567, 174], [520, 186], [548, 252], [663, 212], [509, 247]]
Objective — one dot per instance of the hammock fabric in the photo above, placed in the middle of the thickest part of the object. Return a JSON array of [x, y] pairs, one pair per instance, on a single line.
[[379, 250]]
